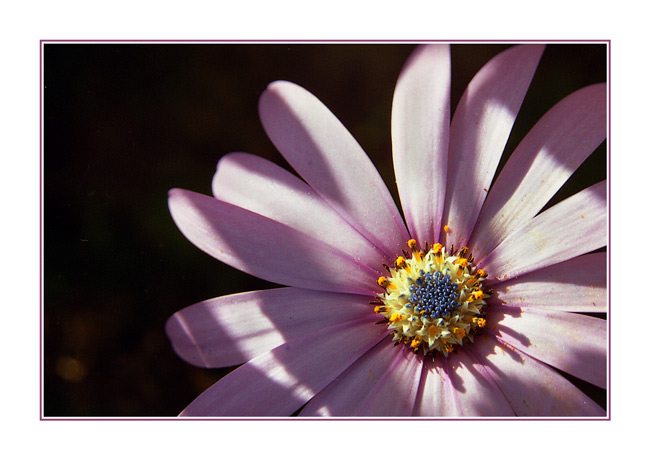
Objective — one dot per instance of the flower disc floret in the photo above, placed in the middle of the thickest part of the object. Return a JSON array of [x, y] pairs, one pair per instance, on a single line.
[[433, 300]]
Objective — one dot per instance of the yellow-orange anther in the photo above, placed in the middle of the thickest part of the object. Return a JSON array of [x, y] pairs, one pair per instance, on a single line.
[[415, 343], [417, 254], [383, 282], [480, 322], [400, 262], [395, 317], [460, 332], [462, 262], [449, 347], [481, 273], [446, 228], [437, 248]]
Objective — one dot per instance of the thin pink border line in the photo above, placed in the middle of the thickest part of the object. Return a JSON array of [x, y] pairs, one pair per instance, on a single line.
[[607, 42], [324, 41]]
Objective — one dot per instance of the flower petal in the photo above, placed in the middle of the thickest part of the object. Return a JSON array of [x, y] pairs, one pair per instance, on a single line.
[[459, 386], [475, 391], [343, 396], [532, 388], [479, 131], [233, 329], [265, 248], [260, 186], [420, 131], [436, 394], [280, 381], [571, 342], [394, 394], [578, 285], [571, 228], [562, 139], [326, 155]]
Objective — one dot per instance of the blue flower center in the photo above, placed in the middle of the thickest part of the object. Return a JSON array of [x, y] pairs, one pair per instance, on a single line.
[[433, 295]]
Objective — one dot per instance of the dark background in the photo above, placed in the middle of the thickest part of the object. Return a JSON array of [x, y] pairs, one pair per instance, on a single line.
[[124, 123]]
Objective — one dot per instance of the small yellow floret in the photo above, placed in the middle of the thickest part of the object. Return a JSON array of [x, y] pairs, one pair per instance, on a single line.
[[415, 343], [383, 282], [480, 322], [395, 317], [462, 262], [446, 228], [417, 254], [437, 248], [449, 347], [460, 332], [400, 262]]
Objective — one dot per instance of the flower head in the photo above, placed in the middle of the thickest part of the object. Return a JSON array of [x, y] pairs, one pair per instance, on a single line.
[[466, 309]]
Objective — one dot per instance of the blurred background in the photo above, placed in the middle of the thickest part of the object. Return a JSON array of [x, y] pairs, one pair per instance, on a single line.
[[124, 123]]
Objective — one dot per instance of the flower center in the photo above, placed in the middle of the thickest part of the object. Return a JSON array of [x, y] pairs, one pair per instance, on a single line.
[[433, 300]]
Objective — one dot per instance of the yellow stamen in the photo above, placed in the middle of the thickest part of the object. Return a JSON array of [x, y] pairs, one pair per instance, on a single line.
[[476, 295], [446, 228], [383, 282], [415, 343], [480, 322], [449, 347], [400, 262], [417, 254], [437, 248], [460, 332], [462, 262], [395, 317]]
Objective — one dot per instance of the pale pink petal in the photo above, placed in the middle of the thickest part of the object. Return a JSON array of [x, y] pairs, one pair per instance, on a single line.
[[233, 329], [532, 388], [420, 131], [479, 131], [476, 393], [394, 394], [343, 396], [571, 342], [435, 397], [265, 248], [571, 228], [578, 285], [280, 381], [459, 387], [325, 154], [262, 187], [541, 164]]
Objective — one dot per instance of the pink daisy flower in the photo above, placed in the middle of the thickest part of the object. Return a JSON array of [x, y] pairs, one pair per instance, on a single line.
[[467, 309]]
